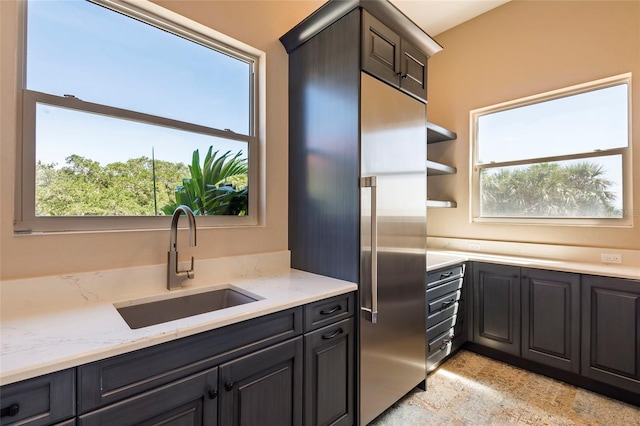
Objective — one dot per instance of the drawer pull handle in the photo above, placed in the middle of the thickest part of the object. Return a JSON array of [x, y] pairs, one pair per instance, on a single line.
[[446, 275], [10, 411], [228, 386], [332, 335], [213, 393], [330, 311], [445, 342], [448, 303]]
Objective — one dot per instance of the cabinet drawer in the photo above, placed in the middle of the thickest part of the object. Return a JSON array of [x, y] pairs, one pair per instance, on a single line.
[[447, 287], [441, 342], [40, 401], [434, 359], [324, 312], [192, 401], [443, 315], [444, 302], [454, 322], [438, 277], [113, 379]]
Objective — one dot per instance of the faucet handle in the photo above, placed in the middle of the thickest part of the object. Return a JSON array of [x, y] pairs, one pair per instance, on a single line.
[[190, 272]]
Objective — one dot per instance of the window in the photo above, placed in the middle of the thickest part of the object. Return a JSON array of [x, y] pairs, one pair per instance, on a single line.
[[561, 157], [126, 114]]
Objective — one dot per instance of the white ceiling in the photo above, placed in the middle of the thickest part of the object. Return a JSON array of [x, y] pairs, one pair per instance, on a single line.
[[436, 16]]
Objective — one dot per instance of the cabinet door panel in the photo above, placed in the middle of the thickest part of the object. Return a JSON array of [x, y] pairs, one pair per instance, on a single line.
[[413, 70], [550, 318], [611, 331], [114, 379], [42, 400], [263, 388], [614, 322], [329, 375], [191, 401], [380, 50], [497, 307]]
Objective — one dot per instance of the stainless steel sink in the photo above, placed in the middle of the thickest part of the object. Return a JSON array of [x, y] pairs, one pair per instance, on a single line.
[[157, 312]]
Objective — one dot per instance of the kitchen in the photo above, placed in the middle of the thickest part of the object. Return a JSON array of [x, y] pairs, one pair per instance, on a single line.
[[461, 79]]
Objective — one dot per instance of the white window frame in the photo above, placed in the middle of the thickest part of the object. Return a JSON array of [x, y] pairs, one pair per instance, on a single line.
[[26, 222], [626, 153]]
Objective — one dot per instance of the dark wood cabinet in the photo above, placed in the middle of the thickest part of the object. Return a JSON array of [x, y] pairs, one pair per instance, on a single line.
[[329, 375], [117, 378], [587, 328], [40, 401], [255, 374], [192, 401], [551, 318], [386, 55], [496, 307], [329, 362], [611, 331], [250, 373], [528, 312], [263, 388], [445, 314]]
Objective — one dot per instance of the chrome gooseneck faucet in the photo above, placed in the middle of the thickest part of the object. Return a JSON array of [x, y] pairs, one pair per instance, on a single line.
[[175, 277]]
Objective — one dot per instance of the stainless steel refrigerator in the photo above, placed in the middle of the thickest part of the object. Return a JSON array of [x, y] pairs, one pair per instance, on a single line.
[[393, 246]]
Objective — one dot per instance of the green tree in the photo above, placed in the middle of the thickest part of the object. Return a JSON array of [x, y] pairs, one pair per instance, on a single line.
[[73, 190], [548, 190], [131, 184], [82, 187], [218, 187]]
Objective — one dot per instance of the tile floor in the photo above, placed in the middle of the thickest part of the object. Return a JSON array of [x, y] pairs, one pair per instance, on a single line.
[[470, 389]]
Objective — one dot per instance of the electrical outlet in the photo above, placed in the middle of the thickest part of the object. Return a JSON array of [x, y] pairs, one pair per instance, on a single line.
[[611, 258], [473, 246]]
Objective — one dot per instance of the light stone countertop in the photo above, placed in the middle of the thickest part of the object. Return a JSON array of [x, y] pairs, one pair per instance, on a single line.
[[437, 259], [60, 322], [39, 338]]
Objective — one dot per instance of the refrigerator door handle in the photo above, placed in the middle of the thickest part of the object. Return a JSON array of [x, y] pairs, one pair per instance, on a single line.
[[371, 313]]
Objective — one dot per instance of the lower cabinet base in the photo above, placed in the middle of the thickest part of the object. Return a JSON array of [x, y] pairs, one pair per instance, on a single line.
[[554, 373], [439, 357]]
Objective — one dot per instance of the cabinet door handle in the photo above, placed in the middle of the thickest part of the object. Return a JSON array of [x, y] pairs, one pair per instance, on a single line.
[[228, 386], [445, 342], [10, 411], [446, 275], [448, 303], [330, 311], [332, 335], [213, 393]]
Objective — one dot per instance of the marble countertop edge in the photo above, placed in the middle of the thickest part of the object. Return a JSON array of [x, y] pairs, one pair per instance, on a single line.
[[609, 270], [37, 343]]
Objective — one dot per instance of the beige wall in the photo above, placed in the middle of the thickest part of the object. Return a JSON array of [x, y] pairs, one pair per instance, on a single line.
[[257, 23], [520, 49]]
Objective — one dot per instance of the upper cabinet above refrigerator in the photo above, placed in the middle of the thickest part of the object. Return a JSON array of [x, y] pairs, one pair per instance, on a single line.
[[393, 59], [393, 49]]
